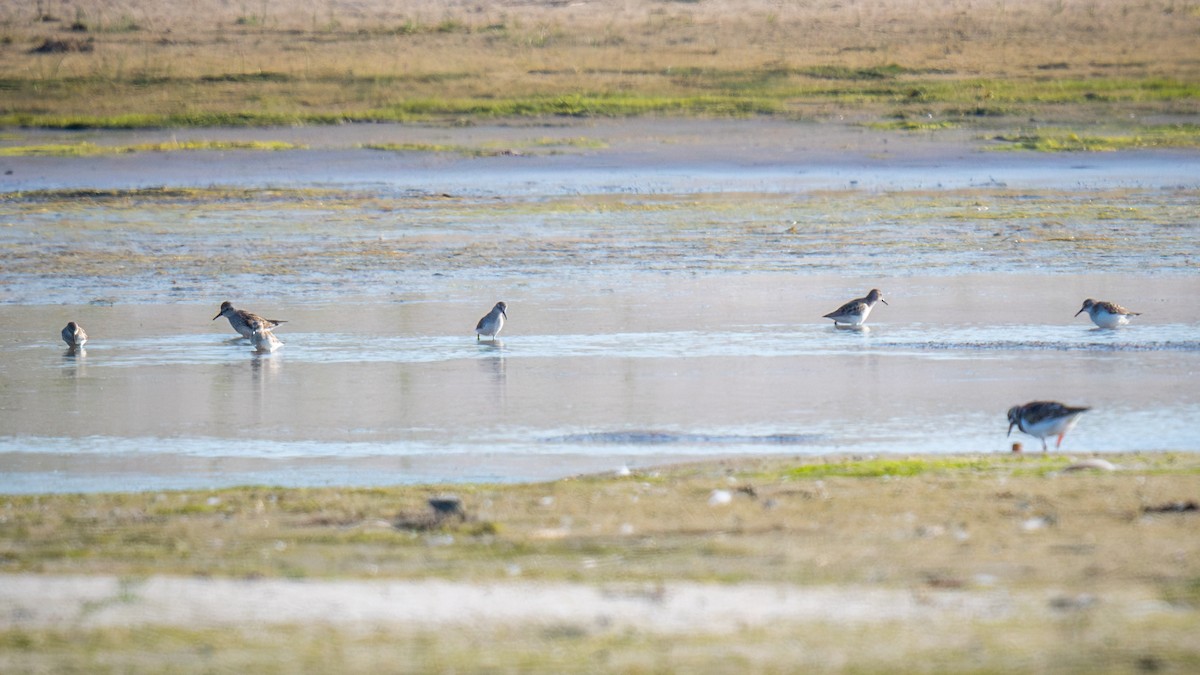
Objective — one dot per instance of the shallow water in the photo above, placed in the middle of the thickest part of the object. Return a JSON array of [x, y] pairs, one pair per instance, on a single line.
[[641, 331], [583, 379]]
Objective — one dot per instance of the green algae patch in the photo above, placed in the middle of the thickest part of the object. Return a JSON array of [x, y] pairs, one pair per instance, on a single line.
[[1059, 140], [495, 148], [86, 149], [888, 467], [584, 105], [914, 125], [432, 148]]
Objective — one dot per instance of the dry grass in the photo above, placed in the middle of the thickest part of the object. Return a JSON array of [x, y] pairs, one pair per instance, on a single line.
[[188, 63], [935, 521], [1086, 548]]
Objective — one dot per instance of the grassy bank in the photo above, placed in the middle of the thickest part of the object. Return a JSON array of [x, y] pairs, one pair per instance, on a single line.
[[923, 521], [1100, 569], [106, 65]]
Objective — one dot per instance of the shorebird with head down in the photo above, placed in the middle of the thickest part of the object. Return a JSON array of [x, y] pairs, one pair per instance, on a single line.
[[1044, 418], [74, 336], [491, 324]]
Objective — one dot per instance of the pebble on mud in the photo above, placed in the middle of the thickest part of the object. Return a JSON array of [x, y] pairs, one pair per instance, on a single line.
[[720, 497]]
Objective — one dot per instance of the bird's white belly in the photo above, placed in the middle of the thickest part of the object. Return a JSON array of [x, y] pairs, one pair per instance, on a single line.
[[491, 327], [1050, 427], [1105, 319], [853, 319]]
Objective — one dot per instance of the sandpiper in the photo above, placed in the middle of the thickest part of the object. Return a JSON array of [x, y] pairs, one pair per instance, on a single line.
[[1106, 314], [1044, 418], [74, 336], [264, 341], [491, 324], [855, 312], [244, 322]]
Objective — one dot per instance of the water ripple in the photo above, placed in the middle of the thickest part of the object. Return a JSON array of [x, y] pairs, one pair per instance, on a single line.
[[746, 341], [660, 438]]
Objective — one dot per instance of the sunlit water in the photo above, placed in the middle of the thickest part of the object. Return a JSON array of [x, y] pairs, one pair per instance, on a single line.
[[585, 379], [640, 332]]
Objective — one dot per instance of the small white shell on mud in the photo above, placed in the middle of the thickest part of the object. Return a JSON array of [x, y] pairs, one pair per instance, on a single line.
[[1034, 524], [1099, 464], [720, 497]]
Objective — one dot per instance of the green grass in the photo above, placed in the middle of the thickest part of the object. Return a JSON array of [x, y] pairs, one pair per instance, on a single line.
[[419, 110], [888, 467], [681, 92]]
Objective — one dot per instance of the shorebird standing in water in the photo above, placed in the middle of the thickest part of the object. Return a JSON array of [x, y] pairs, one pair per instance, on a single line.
[[491, 324], [1044, 418], [855, 312], [244, 322], [74, 336], [1106, 314]]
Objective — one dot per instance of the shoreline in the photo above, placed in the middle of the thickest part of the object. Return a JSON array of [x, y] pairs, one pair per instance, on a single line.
[[579, 157]]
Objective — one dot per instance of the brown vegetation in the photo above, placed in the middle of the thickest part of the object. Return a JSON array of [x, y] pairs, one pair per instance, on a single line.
[[57, 46], [343, 58], [1015, 563]]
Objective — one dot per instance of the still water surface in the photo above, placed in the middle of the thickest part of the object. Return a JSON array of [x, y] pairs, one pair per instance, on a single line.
[[584, 378], [664, 297]]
